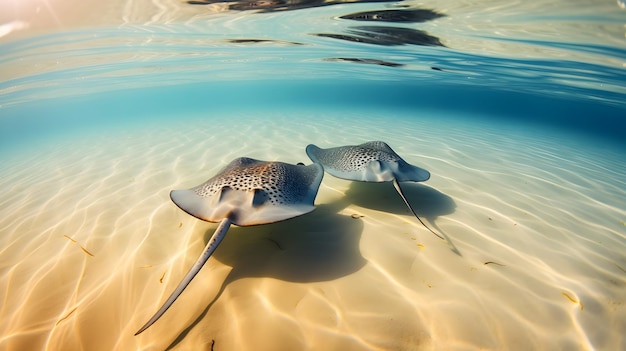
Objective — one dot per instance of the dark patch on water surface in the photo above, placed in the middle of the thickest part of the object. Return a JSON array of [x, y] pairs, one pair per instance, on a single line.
[[387, 36], [403, 15], [261, 41], [279, 5], [367, 61], [375, 35]]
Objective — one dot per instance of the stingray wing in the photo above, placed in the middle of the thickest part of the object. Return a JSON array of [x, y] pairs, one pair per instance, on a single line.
[[373, 161], [406, 172], [251, 192], [379, 146]]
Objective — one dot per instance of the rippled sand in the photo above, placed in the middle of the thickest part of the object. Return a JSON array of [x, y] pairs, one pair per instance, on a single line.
[[91, 245]]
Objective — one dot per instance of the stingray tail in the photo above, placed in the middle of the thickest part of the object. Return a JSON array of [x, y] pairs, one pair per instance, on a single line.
[[215, 240], [399, 189]]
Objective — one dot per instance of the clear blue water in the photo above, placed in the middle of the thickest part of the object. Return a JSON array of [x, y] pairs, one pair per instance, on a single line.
[[32, 120], [518, 110]]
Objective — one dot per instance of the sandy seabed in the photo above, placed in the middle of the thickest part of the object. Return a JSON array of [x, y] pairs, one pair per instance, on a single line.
[[91, 245]]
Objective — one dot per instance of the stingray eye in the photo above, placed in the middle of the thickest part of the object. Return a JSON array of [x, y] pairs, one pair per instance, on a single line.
[[300, 164]]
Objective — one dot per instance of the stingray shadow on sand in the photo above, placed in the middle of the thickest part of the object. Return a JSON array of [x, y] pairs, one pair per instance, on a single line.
[[320, 246], [427, 202]]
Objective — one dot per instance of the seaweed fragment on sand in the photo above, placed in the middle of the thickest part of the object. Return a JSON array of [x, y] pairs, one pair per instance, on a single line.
[[81, 247], [276, 243], [162, 276], [66, 316], [492, 262], [573, 300]]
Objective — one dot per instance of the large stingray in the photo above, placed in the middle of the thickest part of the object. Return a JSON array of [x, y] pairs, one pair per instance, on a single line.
[[373, 161], [246, 192]]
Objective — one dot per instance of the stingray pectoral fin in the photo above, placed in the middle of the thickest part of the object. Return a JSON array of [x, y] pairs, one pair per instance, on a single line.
[[406, 172], [215, 240], [399, 190], [210, 208], [312, 151]]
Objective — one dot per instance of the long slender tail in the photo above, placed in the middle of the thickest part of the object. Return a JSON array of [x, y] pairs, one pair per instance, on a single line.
[[399, 189], [215, 240]]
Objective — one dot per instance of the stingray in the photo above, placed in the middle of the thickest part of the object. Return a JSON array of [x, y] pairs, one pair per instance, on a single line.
[[246, 192], [373, 161]]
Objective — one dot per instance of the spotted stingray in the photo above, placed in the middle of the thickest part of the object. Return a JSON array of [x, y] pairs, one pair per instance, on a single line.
[[246, 192], [373, 161]]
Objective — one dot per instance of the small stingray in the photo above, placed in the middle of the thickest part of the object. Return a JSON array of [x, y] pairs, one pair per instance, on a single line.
[[373, 161], [246, 192]]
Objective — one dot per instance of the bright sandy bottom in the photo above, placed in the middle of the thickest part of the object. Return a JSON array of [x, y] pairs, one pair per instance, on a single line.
[[91, 245]]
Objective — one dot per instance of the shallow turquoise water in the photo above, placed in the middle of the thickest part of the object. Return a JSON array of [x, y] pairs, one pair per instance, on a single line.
[[518, 111], [26, 123]]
